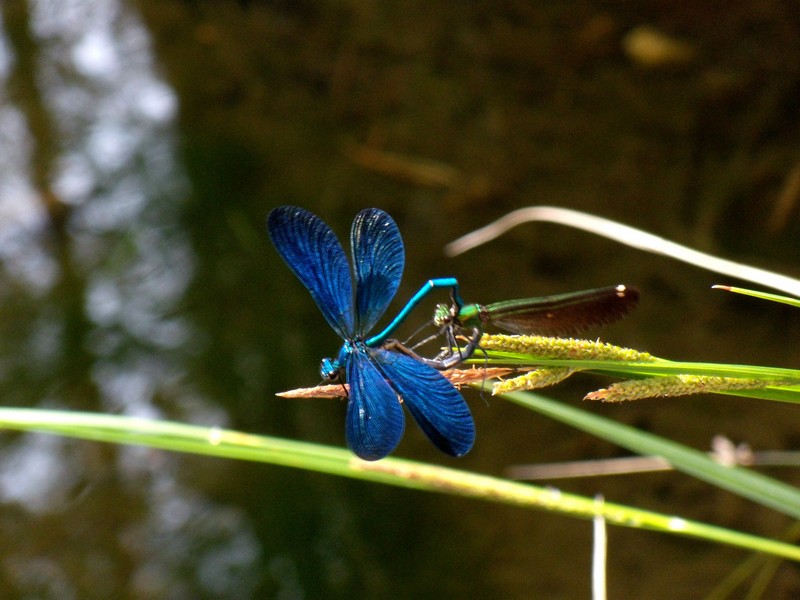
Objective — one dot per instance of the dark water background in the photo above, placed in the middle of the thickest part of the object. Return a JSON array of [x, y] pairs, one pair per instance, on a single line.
[[142, 144]]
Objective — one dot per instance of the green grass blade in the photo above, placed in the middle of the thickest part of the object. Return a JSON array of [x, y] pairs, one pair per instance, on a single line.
[[743, 482], [222, 443], [762, 295], [780, 384], [658, 367]]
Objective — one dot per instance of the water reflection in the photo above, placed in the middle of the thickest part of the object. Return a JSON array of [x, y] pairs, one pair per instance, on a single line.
[[34, 474], [94, 266]]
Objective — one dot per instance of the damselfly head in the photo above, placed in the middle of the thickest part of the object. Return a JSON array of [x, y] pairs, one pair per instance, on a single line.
[[443, 314], [330, 370]]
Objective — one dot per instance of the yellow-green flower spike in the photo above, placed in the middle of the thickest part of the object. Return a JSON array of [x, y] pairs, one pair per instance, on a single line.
[[676, 385], [533, 380], [562, 348]]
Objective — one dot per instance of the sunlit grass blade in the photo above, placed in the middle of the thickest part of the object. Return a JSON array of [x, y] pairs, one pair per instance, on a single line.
[[222, 443], [626, 235], [743, 482]]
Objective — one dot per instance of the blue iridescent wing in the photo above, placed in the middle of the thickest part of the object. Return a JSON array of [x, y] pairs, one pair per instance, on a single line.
[[316, 257], [374, 422], [435, 404], [378, 260]]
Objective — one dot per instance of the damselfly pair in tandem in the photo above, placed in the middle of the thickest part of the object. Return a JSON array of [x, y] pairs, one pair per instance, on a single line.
[[381, 372]]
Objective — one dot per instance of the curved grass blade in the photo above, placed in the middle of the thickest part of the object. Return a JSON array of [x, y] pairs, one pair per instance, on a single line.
[[623, 234], [223, 443]]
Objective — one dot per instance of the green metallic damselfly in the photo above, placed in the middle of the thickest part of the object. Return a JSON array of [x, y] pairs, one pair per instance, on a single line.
[[561, 315]]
